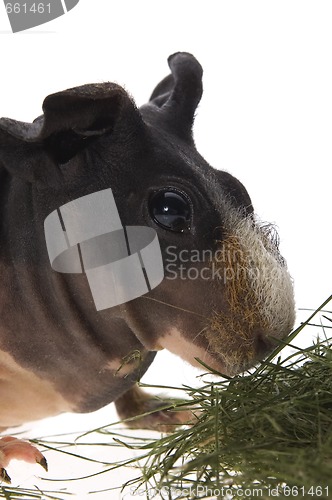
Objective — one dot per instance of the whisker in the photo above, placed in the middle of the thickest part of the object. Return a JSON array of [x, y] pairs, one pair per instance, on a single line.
[[171, 305], [208, 349], [199, 333]]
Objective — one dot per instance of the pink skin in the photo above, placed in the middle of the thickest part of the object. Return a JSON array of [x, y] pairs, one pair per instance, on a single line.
[[11, 447]]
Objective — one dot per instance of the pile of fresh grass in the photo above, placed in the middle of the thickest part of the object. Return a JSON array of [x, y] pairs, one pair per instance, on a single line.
[[255, 434], [263, 434]]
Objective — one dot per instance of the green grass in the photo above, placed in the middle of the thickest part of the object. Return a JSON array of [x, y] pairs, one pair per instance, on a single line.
[[265, 431], [268, 429], [28, 494]]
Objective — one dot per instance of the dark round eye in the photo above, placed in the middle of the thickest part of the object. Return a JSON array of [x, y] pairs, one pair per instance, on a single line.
[[171, 210]]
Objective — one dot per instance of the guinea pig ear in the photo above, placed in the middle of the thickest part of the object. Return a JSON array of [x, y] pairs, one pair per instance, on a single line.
[[72, 119], [173, 102]]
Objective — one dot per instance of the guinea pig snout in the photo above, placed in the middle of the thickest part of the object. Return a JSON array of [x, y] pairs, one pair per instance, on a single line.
[[257, 298], [236, 345]]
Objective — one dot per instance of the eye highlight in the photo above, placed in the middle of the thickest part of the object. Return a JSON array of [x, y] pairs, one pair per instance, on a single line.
[[171, 210]]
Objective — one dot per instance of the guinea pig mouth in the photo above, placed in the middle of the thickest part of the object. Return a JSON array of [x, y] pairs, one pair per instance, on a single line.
[[227, 358], [238, 356], [175, 342], [237, 343], [263, 346]]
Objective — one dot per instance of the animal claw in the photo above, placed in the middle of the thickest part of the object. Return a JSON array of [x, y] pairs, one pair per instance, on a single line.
[[4, 476], [43, 462], [11, 447]]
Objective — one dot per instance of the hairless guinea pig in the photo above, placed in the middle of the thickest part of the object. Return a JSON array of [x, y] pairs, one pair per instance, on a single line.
[[201, 276]]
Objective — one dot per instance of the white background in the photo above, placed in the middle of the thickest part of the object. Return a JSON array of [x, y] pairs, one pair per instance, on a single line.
[[265, 116]]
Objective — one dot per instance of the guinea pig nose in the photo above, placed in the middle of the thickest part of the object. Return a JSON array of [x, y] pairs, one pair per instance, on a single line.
[[263, 345]]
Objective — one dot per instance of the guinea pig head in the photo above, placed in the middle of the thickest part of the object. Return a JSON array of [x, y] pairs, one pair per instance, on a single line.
[[227, 296]]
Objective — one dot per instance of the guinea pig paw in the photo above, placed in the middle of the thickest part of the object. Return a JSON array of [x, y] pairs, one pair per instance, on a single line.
[[163, 419], [11, 447], [140, 410]]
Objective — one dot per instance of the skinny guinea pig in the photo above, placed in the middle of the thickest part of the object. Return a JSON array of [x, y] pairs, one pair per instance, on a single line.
[[57, 352]]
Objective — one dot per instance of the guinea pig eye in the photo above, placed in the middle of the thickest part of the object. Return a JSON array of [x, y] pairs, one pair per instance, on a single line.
[[171, 210]]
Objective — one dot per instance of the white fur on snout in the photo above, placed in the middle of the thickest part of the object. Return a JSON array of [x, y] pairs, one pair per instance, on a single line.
[[267, 278], [257, 293]]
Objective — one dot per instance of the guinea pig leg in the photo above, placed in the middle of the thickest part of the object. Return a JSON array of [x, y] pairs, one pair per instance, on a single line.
[[11, 447], [148, 410]]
